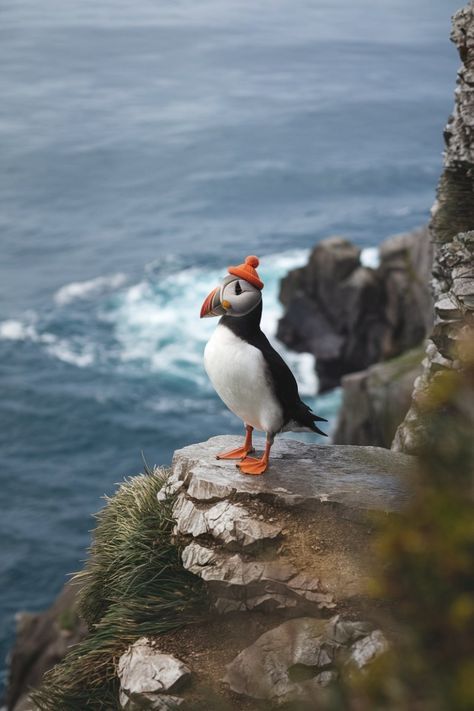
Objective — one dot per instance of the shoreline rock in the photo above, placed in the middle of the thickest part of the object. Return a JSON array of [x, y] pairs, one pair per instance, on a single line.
[[350, 316]]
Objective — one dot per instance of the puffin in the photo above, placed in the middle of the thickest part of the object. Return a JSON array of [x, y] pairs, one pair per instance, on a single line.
[[248, 374]]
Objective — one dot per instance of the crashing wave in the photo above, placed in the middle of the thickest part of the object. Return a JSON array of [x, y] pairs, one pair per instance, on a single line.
[[88, 289]]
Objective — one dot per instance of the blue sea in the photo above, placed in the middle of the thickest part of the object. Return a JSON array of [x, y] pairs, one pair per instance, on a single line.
[[143, 148]]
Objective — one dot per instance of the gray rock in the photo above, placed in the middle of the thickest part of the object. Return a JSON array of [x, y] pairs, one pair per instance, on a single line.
[[169, 489], [349, 316], [224, 521], [42, 640], [368, 648], [292, 661], [455, 314], [301, 475], [451, 233], [237, 584], [146, 675], [375, 401]]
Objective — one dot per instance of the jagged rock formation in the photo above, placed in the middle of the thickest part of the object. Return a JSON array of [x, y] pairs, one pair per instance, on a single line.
[[292, 540], [451, 230], [350, 316], [291, 662], [283, 555], [42, 640], [376, 400]]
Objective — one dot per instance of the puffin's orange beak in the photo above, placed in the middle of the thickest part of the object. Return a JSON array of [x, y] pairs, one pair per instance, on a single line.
[[212, 305]]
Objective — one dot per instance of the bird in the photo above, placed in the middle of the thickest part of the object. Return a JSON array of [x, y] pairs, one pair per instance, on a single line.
[[248, 374]]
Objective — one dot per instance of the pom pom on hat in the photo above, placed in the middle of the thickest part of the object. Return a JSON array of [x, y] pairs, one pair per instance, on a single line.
[[252, 260], [247, 271]]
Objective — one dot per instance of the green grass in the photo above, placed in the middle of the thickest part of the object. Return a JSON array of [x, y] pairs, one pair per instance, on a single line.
[[133, 585]]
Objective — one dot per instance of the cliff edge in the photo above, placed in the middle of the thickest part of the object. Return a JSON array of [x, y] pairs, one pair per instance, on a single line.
[[252, 561]]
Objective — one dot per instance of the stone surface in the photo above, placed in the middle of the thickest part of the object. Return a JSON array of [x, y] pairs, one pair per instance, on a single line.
[[247, 537], [451, 232], [368, 648], [349, 316], [454, 323], [239, 584], [42, 640], [146, 675], [375, 401], [293, 660], [227, 522], [300, 474]]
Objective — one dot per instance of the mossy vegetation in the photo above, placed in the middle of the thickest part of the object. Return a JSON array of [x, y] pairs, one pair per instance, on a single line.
[[133, 584]]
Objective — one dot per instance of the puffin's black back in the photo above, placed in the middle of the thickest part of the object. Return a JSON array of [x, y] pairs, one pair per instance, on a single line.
[[281, 378]]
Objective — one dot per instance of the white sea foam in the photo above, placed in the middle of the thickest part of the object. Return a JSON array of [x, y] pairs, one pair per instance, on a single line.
[[370, 257], [13, 330], [75, 353], [87, 289]]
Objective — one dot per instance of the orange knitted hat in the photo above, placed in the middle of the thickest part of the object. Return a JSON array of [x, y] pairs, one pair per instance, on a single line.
[[247, 271]]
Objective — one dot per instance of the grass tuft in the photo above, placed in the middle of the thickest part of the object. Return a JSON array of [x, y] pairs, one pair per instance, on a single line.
[[133, 584]]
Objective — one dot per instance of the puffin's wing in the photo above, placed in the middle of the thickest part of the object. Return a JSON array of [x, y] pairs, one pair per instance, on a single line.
[[286, 389]]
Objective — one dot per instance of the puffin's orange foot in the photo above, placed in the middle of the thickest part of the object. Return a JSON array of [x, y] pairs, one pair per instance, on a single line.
[[253, 466], [238, 453]]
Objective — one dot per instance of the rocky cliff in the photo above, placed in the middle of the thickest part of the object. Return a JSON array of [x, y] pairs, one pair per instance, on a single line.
[[350, 316], [451, 233], [282, 562], [376, 400]]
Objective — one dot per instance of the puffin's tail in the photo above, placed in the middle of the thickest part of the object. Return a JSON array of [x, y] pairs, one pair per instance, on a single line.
[[307, 418]]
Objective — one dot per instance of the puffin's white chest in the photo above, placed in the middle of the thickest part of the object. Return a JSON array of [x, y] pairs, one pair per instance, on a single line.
[[238, 373]]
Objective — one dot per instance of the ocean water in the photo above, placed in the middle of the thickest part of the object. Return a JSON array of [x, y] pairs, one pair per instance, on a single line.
[[143, 148]]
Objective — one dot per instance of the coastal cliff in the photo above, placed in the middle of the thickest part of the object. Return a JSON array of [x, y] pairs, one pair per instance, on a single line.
[[451, 233], [236, 564], [361, 324], [209, 590]]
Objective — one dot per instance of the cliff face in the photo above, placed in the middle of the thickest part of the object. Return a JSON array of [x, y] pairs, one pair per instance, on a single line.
[[452, 220], [278, 566], [376, 400], [350, 316]]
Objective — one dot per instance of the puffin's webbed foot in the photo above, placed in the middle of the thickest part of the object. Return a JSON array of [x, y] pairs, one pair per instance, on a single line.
[[253, 466], [238, 453]]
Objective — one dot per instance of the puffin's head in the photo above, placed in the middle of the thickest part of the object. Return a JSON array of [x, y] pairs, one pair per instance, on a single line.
[[239, 293]]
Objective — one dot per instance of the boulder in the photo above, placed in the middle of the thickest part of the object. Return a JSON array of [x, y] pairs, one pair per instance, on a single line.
[[147, 676], [294, 660], [350, 316]]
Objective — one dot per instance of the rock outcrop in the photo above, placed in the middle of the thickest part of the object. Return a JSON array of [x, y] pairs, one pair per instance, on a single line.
[[376, 400], [452, 233], [350, 316], [284, 557], [42, 640], [294, 660], [292, 540]]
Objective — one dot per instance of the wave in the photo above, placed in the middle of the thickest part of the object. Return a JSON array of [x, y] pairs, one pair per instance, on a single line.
[[68, 351], [87, 289]]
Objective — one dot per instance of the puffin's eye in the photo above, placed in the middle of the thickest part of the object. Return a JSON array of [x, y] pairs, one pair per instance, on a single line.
[[238, 288]]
